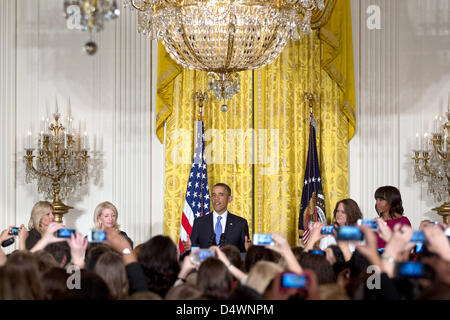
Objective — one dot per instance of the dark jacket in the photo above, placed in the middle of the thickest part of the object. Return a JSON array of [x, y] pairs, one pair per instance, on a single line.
[[33, 237], [203, 235]]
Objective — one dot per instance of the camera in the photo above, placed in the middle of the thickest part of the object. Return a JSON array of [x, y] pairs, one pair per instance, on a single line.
[[202, 254], [349, 233], [262, 239], [318, 252], [293, 281], [64, 233], [327, 230], [368, 222], [412, 270], [418, 236], [14, 231], [97, 236]]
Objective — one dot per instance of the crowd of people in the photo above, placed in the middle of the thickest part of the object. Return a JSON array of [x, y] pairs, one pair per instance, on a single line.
[[387, 265]]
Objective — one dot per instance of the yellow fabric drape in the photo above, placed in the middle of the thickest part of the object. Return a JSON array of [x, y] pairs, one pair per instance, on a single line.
[[259, 146], [168, 70]]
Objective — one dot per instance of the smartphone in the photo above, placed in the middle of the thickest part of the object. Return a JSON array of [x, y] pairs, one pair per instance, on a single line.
[[419, 247], [368, 222], [327, 230], [349, 233], [418, 236], [14, 231], [194, 247], [64, 233], [412, 270], [293, 281], [318, 252], [203, 254], [97, 236], [262, 239]]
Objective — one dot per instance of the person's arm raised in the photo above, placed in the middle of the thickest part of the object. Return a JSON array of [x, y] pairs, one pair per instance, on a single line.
[[315, 235], [49, 237], [237, 273], [78, 245], [282, 247]]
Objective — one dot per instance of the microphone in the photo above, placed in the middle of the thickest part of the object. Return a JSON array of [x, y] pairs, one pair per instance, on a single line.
[[222, 240], [8, 242], [212, 240]]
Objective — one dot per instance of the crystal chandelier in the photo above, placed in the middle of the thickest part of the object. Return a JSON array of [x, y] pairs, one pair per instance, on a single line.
[[224, 37], [432, 167], [61, 164], [89, 15]]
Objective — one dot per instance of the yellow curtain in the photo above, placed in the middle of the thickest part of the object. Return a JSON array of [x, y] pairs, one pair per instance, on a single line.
[[259, 146]]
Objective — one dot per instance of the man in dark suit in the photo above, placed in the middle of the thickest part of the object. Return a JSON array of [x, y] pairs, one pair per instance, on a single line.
[[220, 227]]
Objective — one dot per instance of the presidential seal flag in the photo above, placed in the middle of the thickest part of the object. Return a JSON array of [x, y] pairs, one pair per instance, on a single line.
[[313, 202], [196, 203]]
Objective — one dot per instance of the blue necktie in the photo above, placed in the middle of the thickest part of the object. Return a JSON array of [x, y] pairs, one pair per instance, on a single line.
[[218, 229]]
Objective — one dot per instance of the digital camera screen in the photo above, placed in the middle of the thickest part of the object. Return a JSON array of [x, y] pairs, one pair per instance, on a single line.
[[292, 280], [327, 230], [418, 236], [318, 252], [14, 231], [370, 223], [261, 239], [350, 233], [419, 247], [64, 233], [205, 254], [98, 235], [411, 269]]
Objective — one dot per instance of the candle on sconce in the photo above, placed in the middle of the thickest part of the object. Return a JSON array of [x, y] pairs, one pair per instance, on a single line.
[[29, 135], [417, 141], [425, 142], [41, 140], [43, 124], [85, 141], [436, 125], [47, 125], [65, 140]]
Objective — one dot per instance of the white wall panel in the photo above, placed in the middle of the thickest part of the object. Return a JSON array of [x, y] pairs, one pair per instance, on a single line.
[[402, 81], [111, 98], [7, 111]]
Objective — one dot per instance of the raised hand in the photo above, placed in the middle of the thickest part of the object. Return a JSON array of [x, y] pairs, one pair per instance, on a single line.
[[78, 245]]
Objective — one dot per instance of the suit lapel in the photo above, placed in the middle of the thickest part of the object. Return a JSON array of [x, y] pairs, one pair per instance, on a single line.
[[230, 224]]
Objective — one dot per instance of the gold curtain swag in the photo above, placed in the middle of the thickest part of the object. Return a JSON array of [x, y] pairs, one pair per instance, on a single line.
[[259, 146]]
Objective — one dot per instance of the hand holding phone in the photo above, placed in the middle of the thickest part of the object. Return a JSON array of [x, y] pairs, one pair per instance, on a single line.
[[14, 231], [291, 280], [262, 239], [201, 255], [64, 233], [327, 230], [372, 223], [349, 233], [412, 270]]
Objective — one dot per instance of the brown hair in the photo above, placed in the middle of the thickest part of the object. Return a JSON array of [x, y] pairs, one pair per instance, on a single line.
[[185, 291], [351, 209], [39, 210], [98, 211], [261, 275], [215, 280], [19, 278], [111, 269]]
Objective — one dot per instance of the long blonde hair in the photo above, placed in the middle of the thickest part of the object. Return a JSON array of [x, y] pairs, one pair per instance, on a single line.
[[39, 210], [98, 211]]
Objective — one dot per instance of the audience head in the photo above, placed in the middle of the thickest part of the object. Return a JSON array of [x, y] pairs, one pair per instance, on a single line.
[[93, 253], [144, 295], [347, 213], [111, 269], [19, 278], [54, 283], [185, 291], [257, 253], [233, 254], [60, 251], [320, 265], [388, 201], [41, 216], [159, 260], [215, 280], [261, 275], [105, 216], [45, 261]]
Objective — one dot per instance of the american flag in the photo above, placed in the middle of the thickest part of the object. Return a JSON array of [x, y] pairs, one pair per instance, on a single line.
[[196, 203], [312, 188]]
